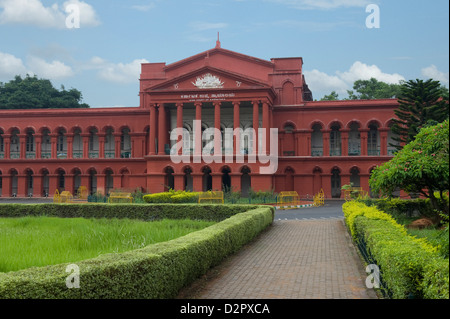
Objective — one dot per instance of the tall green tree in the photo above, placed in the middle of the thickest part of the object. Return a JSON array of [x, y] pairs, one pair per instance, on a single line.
[[373, 89], [421, 103], [33, 93]]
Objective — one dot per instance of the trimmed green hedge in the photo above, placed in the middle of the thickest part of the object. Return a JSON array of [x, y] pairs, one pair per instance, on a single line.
[[409, 266], [146, 212], [156, 271]]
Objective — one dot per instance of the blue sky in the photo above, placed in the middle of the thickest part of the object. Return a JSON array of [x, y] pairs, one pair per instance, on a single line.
[[102, 58]]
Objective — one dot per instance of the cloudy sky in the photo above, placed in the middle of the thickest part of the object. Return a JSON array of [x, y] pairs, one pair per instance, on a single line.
[[102, 57]]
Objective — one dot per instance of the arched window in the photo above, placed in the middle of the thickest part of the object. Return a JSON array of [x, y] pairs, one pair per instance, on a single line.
[[125, 143], [288, 141], [93, 143], [76, 180], [335, 140], [77, 145], [109, 144], [45, 183], [30, 145], [15, 145], [335, 183], [14, 182], [226, 179], [169, 181], [317, 140], [46, 145], [92, 181], [61, 144], [109, 182], [354, 177], [246, 181], [188, 181], [207, 179], [373, 141], [61, 180], [354, 140], [29, 182]]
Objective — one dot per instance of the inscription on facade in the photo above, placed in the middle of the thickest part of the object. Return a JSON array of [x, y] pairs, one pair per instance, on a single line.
[[207, 97]]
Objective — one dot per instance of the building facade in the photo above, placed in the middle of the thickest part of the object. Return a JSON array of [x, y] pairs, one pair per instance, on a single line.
[[320, 144]]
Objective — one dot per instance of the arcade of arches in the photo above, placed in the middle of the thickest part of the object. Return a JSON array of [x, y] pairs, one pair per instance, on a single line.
[[321, 144]]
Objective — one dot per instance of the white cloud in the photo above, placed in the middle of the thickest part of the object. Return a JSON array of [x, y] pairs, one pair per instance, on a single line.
[[432, 72], [362, 71], [10, 66], [342, 81], [320, 81], [49, 70], [117, 72], [33, 12]]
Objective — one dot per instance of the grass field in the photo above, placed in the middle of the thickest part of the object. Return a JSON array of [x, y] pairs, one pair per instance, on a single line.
[[39, 241], [438, 238]]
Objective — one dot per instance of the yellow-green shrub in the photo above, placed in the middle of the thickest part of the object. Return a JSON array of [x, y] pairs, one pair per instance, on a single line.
[[403, 259], [172, 197]]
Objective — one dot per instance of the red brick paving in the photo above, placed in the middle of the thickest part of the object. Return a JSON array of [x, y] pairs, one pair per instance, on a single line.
[[293, 260]]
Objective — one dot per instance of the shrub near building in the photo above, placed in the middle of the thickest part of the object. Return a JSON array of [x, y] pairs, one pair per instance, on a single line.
[[409, 266], [172, 197]]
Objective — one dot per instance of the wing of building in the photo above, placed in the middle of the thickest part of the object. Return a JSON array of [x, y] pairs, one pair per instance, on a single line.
[[196, 128]]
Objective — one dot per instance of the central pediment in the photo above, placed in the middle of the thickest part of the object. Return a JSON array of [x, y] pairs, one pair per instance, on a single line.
[[207, 78]]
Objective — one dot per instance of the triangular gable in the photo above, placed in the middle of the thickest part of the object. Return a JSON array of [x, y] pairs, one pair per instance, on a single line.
[[218, 51], [208, 78]]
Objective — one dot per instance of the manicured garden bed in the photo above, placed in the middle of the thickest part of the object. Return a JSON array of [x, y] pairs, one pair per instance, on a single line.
[[155, 271], [41, 241]]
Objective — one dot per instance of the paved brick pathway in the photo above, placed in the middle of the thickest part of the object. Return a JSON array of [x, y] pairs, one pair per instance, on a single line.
[[290, 260]]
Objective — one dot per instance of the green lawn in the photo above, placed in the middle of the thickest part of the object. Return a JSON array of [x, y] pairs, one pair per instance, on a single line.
[[435, 237], [41, 241]]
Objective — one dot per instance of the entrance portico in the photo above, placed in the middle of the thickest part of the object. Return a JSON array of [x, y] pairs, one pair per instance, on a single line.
[[194, 117]]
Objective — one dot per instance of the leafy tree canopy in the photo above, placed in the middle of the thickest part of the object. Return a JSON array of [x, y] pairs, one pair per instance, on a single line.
[[34, 93], [422, 166], [333, 96], [368, 90], [373, 89]]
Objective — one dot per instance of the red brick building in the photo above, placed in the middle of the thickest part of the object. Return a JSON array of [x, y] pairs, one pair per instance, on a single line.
[[320, 144]]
